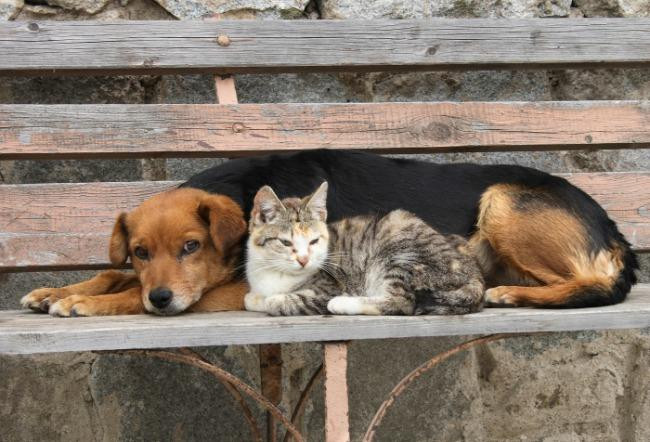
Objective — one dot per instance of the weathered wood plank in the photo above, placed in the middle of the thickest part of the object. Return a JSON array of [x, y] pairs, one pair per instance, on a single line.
[[68, 225], [55, 48], [626, 197], [23, 332], [64, 225], [85, 131]]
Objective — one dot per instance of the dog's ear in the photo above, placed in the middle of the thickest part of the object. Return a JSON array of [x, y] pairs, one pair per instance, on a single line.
[[266, 206], [225, 219], [118, 249]]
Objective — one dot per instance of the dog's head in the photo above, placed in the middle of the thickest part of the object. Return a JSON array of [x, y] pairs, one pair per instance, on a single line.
[[181, 243]]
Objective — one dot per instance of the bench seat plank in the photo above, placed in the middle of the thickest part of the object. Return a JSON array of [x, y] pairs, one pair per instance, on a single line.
[[23, 332], [60, 226], [118, 131], [147, 47]]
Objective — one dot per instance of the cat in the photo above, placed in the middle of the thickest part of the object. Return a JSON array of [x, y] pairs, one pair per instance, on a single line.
[[366, 265]]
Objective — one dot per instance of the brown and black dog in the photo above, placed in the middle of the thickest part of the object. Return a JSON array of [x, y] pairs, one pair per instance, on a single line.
[[540, 241]]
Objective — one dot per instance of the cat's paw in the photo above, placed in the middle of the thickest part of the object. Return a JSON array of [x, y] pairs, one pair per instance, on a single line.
[[254, 302], [276, 305], [344, 305], [500, 297]]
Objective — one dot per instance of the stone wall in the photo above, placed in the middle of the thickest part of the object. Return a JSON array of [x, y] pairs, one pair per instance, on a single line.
[[590, 386]]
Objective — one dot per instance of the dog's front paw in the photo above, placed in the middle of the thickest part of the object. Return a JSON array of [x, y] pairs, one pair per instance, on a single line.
[[500, 297], [75, 305], [40, 300], [254, 302]]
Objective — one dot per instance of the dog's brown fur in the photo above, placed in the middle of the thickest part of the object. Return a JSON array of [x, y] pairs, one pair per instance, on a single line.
[[204, 280], [536, 257]]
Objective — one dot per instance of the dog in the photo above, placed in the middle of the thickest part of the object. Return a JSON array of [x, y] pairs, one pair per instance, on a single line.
[[184, 245], [539, 240]]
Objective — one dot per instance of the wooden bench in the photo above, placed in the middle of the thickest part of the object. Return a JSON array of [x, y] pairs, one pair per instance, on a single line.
[[66, 226]]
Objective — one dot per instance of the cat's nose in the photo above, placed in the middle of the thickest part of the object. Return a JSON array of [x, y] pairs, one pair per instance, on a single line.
[[302, 260]]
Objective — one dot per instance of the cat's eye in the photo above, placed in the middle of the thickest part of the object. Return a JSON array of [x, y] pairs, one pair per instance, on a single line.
[[313, 241], [141, 253], [286, 242], [190, 246]]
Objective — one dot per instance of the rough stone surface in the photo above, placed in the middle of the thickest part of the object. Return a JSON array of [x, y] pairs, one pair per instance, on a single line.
[[88, 6], [9, 9], [198, 9], [612, 8], [336, 9], [587, 386], [111, 10], [84, 396]]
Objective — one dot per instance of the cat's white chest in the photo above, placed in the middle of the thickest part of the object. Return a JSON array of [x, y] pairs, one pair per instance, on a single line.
[[268, 283]]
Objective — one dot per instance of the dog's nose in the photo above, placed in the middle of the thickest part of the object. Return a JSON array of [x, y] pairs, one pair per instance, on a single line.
[[160, 297]]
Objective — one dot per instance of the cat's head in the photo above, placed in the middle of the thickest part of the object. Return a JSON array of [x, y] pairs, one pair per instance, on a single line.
[[291, 235]]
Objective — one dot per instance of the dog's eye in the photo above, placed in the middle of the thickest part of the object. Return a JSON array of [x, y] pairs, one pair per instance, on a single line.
[[141, 253], [314, 241], [286, 242], [190, 247]]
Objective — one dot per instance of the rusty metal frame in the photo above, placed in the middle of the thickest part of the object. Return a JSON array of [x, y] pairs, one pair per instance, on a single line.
[[334, 369], [232, 382]]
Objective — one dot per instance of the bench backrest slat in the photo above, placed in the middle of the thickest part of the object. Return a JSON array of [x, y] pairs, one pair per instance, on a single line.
[[84, 131], [68, 225], [50, 226], [59, 47]]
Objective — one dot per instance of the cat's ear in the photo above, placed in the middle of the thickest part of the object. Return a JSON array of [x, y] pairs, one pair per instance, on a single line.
[[266, 206], [317, 202]]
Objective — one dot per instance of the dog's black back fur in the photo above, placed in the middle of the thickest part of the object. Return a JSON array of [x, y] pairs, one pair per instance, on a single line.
[[446, 196]]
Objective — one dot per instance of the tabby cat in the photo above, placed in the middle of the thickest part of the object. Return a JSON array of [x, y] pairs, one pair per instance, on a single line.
[[390, 265]]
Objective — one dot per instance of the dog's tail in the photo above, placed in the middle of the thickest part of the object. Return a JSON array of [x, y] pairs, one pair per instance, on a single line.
[[601, 287], [605, 279]]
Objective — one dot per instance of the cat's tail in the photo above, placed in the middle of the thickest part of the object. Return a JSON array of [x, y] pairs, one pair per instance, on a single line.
[[466, 299]]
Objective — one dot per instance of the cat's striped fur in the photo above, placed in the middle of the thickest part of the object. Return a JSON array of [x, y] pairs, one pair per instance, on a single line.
[[390, 265]]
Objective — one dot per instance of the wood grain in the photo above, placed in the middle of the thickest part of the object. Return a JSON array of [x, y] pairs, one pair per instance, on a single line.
[[148, 47], [23, 332], [64, 225], [102, 131], [68, 225]]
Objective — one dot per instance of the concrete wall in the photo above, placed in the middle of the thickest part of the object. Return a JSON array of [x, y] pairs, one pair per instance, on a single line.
[[587, 386]]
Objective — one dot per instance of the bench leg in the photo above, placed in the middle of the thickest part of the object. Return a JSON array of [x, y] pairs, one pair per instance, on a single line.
[[271, 382], [336, 392]]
